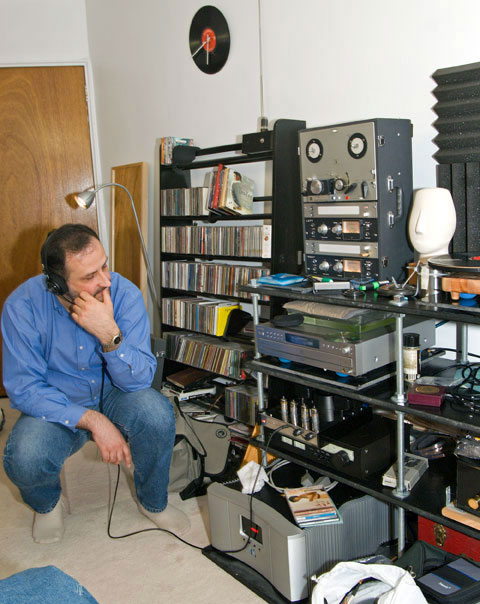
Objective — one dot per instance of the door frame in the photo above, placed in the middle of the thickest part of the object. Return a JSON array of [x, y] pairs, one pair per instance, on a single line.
[[103, 230]]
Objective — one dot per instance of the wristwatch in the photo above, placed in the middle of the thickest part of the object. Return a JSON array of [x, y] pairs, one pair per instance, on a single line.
[[114, 342]]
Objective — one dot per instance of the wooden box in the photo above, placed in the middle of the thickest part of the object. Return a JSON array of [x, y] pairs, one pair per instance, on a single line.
[[448, 539]]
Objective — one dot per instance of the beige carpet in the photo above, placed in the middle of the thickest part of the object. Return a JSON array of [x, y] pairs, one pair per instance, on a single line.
[[143, 569]]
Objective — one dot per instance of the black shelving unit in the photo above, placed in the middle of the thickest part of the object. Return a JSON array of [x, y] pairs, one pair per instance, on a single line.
[[428, 497], [286, 244]]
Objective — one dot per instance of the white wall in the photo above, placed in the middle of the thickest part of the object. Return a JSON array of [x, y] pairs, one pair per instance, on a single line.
[[325, 61], [46, 31]]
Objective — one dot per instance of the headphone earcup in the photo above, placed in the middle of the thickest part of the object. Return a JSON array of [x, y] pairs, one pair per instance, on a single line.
[[56, 284]]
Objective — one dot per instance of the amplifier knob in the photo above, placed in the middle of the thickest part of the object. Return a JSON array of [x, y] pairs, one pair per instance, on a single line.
[[339, 184], [338, 267], [340, 460], [347, 350], [316, 186], [323, 229], [337, 229], [324, 265]]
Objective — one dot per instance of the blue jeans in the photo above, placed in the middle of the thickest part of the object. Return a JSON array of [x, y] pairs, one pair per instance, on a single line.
[[36, 450], [44, 585]]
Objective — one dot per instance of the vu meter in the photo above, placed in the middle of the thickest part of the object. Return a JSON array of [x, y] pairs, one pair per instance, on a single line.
[[356, 190]]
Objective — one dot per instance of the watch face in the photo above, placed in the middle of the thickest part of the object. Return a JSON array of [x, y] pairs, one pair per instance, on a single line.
[[209, 39], [314, 150], [357, 145]]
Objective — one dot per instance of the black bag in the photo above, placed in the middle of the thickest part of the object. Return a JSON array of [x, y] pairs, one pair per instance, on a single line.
[[202, 448], [187, 468], [443, 577]]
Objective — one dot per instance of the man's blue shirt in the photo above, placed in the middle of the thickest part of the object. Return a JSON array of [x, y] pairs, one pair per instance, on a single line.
[[52, 367]]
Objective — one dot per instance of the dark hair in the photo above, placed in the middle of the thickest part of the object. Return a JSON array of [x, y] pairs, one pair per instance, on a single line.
[[69, 238]]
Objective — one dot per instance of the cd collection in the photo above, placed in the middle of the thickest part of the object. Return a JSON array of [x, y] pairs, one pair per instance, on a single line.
[[241, 402], [199, 314], [167, 143], [210, 278], [250, 241], [185, 202], [209, 353]]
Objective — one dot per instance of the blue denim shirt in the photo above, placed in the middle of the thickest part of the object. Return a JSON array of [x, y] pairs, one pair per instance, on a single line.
[[52, 367]]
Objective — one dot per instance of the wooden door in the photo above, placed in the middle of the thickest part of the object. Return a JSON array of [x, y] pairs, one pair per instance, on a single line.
[[45, 156]]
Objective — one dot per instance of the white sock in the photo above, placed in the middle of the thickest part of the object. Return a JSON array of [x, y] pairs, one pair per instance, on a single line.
[[48, 528], [171, 518]]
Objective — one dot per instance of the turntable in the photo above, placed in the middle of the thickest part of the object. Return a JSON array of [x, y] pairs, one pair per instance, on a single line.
[[462, 273]]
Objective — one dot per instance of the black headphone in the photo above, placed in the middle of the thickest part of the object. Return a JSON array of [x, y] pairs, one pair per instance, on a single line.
[[55, 283]]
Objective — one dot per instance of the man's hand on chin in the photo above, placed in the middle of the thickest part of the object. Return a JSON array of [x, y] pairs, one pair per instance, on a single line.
[[95, 316]]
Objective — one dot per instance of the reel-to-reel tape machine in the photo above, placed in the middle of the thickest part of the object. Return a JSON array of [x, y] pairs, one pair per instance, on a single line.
[[356, 185]]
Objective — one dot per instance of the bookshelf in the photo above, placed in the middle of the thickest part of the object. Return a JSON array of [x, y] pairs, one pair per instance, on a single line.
[[207, 255]]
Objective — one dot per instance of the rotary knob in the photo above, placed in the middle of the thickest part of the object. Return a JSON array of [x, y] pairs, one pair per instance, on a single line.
[[324, 265], [339, 184], [340, 460], [337, 229], [338, 267], [316, 186], [474, 502], [323, 229]]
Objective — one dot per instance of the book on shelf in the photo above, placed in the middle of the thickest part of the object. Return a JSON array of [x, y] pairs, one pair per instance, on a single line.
[[189, 378], [230, 192], [223, 312], [242, 194], [311, 506], [167, 143]]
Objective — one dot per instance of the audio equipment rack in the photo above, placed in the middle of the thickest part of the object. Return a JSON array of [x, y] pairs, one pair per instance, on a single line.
[[431, 493]]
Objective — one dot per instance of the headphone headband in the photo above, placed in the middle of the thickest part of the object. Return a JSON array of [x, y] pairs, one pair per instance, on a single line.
[[55, 283]]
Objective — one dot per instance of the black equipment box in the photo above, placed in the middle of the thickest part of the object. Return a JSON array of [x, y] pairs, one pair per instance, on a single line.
[[359, 446]]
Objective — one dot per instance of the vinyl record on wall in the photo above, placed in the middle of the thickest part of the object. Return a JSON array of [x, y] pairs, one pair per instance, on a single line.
[[209, 39]]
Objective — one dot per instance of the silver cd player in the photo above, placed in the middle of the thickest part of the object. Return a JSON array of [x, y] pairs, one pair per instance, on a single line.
[[338, 350]]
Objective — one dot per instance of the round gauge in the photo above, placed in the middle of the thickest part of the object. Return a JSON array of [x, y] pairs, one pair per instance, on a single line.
[[314, 150], [357, 145]]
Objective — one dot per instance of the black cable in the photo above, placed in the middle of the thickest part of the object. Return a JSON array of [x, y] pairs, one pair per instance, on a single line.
[[236, 551], [142, 530], [172, 533], [470, 354]]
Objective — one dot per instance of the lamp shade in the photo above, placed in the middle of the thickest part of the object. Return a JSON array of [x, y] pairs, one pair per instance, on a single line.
[[85, 198]]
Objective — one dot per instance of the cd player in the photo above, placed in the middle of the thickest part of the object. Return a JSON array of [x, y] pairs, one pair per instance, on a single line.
[[338, 350]]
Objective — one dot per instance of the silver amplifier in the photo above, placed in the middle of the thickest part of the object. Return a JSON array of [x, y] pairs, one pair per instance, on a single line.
[[336, 350], [258, 534]]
